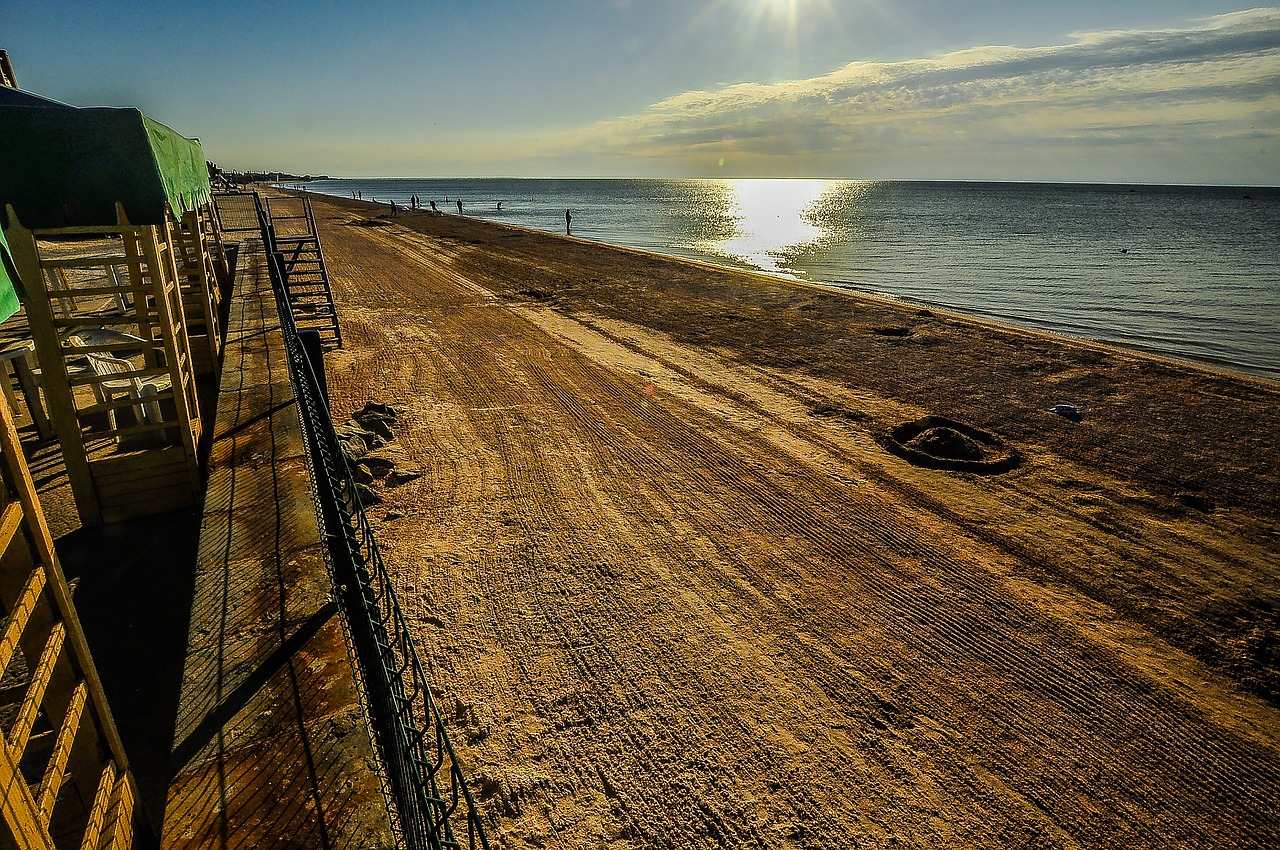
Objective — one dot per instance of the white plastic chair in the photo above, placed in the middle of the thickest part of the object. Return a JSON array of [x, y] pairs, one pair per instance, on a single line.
[[142, 391]]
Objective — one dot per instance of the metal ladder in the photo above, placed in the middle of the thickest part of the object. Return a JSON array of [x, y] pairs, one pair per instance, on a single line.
[[306, 278]]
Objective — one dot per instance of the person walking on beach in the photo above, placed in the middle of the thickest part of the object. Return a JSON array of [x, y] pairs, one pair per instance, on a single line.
[[568, 219], [459, 206]]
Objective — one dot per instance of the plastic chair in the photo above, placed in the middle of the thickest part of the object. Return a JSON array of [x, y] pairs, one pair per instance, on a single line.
[[139, 389]]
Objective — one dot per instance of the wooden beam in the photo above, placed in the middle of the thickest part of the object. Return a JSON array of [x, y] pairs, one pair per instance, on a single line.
[[19, 807], [119, 825], [53, 365], [18, 477], [10, 522], [40, 679], [55, 771], [101, 805], [19, 617]]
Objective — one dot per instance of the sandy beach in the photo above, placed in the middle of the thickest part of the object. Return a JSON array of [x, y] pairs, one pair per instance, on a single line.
[[679, 584]]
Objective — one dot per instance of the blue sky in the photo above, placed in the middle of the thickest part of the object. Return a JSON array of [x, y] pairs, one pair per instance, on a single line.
[[1126, 91]]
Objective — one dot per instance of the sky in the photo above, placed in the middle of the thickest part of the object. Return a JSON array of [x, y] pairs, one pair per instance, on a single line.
[[1128, 91]]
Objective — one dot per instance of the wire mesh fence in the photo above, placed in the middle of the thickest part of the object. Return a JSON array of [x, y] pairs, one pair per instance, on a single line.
[[433, 807]]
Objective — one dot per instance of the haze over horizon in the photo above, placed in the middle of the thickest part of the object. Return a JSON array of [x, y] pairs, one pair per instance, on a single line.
[[1155, 91]]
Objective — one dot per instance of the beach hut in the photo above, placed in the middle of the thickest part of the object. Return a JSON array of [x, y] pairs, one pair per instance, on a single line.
[[107, 217]]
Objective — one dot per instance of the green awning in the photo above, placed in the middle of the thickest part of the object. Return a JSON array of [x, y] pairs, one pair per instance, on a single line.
[[8, 283], [70, 166]]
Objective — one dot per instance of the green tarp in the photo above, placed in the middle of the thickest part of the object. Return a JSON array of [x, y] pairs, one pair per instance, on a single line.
[[69, 167], [8, 280]]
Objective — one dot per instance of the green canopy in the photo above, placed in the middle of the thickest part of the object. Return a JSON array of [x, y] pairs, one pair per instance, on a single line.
[[8, 281], [63, 167]]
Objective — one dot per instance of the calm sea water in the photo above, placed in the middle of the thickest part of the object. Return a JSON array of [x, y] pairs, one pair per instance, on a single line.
[[1189, 272]]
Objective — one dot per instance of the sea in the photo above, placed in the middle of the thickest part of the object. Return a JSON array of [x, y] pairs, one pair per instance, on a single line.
[[1189, 272]]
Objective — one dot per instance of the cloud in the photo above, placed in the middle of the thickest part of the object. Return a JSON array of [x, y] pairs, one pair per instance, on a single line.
[[1210, 89]]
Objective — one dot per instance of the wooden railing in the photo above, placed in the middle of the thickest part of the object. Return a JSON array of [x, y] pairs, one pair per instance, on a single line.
[[64, 780]]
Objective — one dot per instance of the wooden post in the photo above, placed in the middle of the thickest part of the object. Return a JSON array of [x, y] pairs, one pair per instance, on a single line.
[[65, 685], [57, 383], [199, 290], [176, 344]]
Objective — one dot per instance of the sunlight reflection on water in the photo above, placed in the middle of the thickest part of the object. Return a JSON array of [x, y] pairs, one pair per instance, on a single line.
[[771, 222], [1182, 270]]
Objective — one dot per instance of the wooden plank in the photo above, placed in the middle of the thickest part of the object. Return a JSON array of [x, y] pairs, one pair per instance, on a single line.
[[101, 804], [81, 290], [143, 473], [100, 261], [118, 834], [19, 617], [177, 488], [40, 679], [68, 322], [125, 466], [55, 771], [22, 370], [167, 500], [143, 477], [145, 490], [168, 479], [6, 387], [19, 807], [158, 500], [10, 522]]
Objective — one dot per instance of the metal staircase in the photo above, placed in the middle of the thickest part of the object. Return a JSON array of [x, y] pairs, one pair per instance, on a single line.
[[306, 278]]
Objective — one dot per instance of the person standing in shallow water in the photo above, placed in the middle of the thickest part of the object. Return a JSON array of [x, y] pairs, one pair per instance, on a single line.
[[568, 219], [459, 206]]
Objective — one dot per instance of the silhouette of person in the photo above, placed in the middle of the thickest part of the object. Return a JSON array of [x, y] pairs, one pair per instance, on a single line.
[[568, 219], [459, 206], [434, 208], [499, 204]]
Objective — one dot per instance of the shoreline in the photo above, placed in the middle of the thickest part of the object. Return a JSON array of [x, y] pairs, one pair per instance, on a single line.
[[663, 562], [1186, 346], [1207, 364]]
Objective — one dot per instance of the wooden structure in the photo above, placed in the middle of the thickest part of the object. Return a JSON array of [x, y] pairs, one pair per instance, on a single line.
[[195, 244], [306, 278], [63, 772], [106, 312]]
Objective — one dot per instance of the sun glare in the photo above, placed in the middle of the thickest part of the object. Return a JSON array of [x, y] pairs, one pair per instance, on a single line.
[[772, 221], [778, 10]]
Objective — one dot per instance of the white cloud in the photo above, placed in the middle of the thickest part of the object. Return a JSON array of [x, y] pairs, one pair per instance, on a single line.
[[1209, 90]]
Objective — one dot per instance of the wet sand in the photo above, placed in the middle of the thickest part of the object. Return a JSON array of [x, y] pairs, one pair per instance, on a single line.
[[679, 587]]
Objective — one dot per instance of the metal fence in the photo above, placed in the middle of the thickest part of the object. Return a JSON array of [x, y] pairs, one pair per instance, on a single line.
[[433, 807]]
